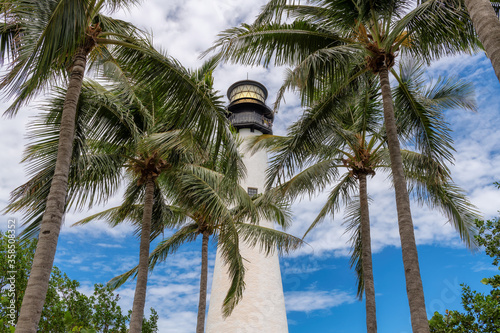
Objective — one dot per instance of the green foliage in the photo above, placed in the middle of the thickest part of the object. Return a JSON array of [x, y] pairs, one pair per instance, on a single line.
[[150, 325], [489, 237], [15, 261], [482, 311], [66, 309]]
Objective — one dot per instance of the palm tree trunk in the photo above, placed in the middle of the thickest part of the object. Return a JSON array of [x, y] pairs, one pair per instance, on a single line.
[[414, 288], [202, 305], [487, 27], [366, 254], [142, 272], [38, 283]]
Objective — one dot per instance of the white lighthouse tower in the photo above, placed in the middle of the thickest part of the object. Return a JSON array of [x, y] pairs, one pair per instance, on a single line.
[[262, 309]]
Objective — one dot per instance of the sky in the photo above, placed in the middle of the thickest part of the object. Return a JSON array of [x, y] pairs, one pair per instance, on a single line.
[[318, 284]]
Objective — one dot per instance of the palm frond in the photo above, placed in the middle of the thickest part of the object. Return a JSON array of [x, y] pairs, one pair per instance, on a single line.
[[203, 191], [312, 179], [188, 102], [163, 249], [268, 239], [270, 206], [340, 194], [419, 110], [437, 28], [228, 240], [430, 184], [170, 245], [9, 39], [272, 10], [114, 5], [333, 69], [280, 43], [352, 221]]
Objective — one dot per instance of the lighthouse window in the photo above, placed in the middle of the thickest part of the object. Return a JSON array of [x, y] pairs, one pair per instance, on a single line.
[[247, 91], [252, 191]]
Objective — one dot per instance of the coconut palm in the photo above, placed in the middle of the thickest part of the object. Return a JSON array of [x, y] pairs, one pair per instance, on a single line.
[[51, 41], [127, 128], [47, 47], [485, 20], [329, 36], [159, 154], [346, 133], [198, 193], [147, 209], [146, 165]]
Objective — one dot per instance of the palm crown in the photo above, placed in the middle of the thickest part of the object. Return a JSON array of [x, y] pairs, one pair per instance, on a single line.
[[129, 127], [326, 39], [43, 53], [346, 133]]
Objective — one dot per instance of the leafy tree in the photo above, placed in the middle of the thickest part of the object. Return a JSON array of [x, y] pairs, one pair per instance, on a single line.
[[66, 309], [328, 37], [15, 261], [482, 311], [149, 325]]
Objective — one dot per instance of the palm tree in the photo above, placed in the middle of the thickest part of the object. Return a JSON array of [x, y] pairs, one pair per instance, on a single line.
[[486, 23], [337, 133], [329, 36], [146, 166], [148, 163], [127, 128], [204, 196], [144, 204], [51, 41], [49, 47]]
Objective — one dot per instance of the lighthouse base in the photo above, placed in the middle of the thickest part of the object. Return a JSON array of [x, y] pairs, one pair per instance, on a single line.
[[262, 309]]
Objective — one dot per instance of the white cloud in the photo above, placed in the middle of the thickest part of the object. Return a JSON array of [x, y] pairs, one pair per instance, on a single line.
[[481, 266], [308, 301], [173, 290], [109, 245], [189, 27], [11, 145], [178, 322], [303, 268]]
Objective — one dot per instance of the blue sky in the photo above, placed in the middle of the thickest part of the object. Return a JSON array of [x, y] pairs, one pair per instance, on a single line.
[[319, 286]]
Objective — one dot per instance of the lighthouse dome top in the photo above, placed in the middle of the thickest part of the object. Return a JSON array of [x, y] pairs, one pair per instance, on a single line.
[[247, 106], [247, 89]]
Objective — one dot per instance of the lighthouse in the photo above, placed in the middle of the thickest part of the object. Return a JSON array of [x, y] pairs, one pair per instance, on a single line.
[[262, 309]]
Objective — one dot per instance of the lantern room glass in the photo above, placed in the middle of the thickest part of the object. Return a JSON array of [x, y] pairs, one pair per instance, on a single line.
[[247, 91]]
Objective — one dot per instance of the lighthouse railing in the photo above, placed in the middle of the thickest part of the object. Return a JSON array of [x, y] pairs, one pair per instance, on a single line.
[[250, 118]]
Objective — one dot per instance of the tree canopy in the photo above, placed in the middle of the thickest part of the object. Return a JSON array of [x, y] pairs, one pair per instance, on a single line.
[[481, 311]]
